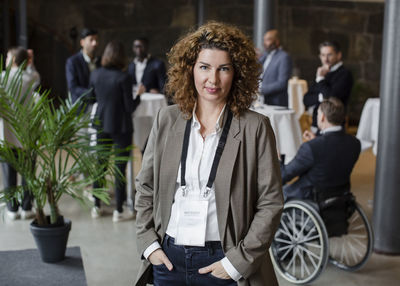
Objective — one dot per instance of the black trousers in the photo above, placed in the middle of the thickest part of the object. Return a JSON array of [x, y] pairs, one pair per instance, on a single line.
[[10, 180], [119, 141]]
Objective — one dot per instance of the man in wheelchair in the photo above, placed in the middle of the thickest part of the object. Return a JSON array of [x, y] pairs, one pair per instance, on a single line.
[[321, 220], [324, 163]]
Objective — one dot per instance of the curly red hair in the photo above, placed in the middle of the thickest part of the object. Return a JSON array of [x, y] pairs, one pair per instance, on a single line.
[[213, 35]]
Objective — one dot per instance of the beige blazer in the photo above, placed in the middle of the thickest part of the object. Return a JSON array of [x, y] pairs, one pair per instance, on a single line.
[[248, 192]]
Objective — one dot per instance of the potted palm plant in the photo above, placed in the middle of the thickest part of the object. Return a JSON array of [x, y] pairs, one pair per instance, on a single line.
[[52, 149]]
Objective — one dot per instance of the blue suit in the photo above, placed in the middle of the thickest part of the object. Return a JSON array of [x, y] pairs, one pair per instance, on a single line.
[[324, 162], [78, 74], [154, 74], [275, 78]]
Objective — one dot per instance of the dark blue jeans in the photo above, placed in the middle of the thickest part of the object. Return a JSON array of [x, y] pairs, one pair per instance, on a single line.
[[187, 260]]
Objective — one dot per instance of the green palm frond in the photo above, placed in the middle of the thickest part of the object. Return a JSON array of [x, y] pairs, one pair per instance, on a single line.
[[52, 148]]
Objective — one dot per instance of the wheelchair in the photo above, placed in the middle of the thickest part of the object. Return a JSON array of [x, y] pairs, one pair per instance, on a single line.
[[330, 228]]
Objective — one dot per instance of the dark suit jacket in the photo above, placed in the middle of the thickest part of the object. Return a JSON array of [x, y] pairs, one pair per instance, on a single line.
[[248, 192], [324, 162], [154, 74], [275, 79], [78, 73], [337, 84], [112, 91]]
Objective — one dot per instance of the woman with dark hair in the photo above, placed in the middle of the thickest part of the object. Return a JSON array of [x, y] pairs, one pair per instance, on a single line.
[[209, 194], [112, 89], [20, 62]]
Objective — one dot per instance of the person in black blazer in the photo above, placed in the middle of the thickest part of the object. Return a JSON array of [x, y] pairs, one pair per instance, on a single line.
[[112, 90], [79, 66], [151, 71], [332, 79], [326, 161]]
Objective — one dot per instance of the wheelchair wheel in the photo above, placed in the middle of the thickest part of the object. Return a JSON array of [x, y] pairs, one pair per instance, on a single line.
[[352, 250], [299, 250]]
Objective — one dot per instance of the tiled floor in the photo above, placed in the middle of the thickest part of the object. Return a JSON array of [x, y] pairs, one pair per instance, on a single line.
[[109, 249]]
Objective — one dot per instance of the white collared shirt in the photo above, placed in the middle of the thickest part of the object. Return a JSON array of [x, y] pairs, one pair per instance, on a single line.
[[265, 66], [139, 69], [91, 63], [332, 69], [198, 167], [331, 129]]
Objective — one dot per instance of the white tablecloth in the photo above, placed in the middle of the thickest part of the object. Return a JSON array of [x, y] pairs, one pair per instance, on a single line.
[[143, 118], [368, 128], [296, 90], [286, 127], [144, 115]]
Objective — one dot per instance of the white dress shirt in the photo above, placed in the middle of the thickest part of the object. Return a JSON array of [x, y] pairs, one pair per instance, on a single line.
[[265, 66], [139, 71], [91, 63], [199, 160], [331, 129]]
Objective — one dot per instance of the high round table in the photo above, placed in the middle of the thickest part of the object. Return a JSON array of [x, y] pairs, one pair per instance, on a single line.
[[286, 127], [368, 127], [143, 118]]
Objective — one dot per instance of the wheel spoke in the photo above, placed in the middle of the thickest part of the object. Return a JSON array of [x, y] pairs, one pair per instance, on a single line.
[[311, 231], [310, 238], [313, 245], [357, 227], [286, 253], [310, 256], [305, 265], [283, 240]]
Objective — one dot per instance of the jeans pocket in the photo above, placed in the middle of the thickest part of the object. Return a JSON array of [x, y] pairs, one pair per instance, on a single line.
[[160, 266], [220, 281]]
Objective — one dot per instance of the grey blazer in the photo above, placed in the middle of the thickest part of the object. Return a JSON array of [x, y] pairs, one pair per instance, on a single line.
[[248, 192], [275, 78]]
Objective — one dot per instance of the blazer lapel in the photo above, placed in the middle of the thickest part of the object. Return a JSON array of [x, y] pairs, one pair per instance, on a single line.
[[169, 169], [224, 175]]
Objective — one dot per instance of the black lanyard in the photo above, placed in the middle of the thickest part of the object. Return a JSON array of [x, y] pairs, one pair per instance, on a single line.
[[217, 157]]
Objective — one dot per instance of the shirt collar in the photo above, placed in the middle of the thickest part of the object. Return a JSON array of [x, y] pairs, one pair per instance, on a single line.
[[331, 129], [336, 66], [218, 124], [87, 58], [144, 62], [271, 53]]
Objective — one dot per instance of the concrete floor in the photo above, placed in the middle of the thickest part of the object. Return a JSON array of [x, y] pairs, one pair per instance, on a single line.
[[109, 249]]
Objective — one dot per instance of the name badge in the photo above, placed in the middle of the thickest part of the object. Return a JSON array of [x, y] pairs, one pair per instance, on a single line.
[[192, 221]]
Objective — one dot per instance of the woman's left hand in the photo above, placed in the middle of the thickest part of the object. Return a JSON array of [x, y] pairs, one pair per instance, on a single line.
[[216, 270]]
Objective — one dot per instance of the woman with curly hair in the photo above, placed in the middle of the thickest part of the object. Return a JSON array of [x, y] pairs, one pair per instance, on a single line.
[[209, 194]]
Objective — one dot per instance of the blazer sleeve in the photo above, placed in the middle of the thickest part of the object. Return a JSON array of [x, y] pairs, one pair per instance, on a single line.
[[144, 182], [284, 73], [130, 105], [311, 96], [72, 81], [161, 76], [250, 252], [340, 87], [303, 161]]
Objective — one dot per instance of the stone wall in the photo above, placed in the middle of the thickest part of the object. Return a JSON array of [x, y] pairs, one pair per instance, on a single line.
[[302, 23], [356, 26]]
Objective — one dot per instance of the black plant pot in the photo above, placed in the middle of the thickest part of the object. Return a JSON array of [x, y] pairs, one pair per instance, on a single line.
[[51, 240]]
